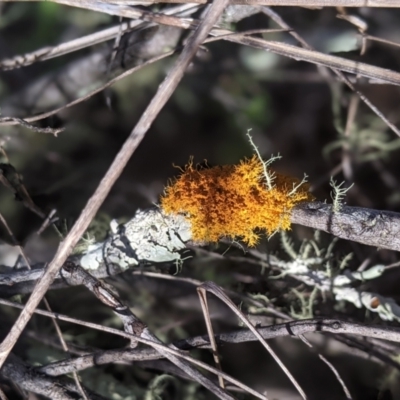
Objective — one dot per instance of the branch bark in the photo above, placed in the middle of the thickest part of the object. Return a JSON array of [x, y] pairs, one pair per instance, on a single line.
[[362, 225]]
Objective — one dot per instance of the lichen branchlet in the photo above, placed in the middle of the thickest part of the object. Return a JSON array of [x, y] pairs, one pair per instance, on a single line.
[[233, 200], [338, 194]]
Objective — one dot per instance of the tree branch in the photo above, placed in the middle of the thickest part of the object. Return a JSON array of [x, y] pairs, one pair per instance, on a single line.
[[362, 225]]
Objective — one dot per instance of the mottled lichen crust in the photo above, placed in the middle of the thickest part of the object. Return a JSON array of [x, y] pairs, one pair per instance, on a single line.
[[150, 236], [233, 200]]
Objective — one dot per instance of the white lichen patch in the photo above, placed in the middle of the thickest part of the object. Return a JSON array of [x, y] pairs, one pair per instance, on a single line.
[[150, 236]]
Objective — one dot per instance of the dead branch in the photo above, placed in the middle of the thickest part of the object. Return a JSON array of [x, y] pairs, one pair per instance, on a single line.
[[290, 328]]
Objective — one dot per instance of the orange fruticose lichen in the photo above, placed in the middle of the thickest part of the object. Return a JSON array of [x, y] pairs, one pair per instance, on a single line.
[[233, 200]]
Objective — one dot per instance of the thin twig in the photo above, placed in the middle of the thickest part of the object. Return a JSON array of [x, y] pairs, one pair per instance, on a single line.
[[206, 312], [331, 367], [289, 328], [346, 154], [217, 291], [3, 395], [7, 121]]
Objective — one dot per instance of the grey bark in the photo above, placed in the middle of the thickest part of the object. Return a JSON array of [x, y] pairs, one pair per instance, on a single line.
[[362, 225]]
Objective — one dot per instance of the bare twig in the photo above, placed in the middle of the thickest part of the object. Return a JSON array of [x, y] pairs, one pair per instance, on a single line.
[[296, 328], [10, 121], [3, 395], [13, 181], [217, 291], [26, 124], [380, 40]]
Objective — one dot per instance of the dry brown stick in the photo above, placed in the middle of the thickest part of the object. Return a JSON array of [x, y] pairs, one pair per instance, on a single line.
[[362, 225], [130, 12], [380, 40], [66, 246], [210, 330], [289, 328], [296, 328], [315, 57]]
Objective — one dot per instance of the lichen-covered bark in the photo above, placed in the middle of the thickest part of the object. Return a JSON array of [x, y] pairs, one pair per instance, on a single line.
[[363, 225], [150, 236]]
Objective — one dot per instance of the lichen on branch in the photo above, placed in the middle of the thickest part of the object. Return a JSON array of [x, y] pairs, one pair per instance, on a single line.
[[233, 200]]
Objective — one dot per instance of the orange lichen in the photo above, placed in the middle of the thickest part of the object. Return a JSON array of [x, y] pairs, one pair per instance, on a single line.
[[233, 200]]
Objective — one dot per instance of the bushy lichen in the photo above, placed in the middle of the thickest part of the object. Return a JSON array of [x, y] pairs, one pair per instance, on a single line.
[[233, 200]]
